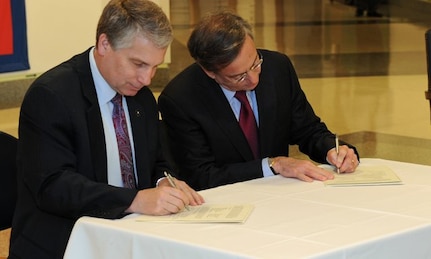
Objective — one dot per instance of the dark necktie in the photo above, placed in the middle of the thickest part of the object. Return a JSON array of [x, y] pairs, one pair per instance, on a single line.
[[123, 142], [248, 124]]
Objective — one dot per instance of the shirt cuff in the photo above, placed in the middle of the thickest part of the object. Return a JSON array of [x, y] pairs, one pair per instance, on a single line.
[[265, 168]]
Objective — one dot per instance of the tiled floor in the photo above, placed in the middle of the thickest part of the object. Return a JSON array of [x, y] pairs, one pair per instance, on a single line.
[[365, 77]]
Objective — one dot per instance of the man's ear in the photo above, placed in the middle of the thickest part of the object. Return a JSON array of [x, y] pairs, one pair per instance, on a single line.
[[209, 73], [103, 44]]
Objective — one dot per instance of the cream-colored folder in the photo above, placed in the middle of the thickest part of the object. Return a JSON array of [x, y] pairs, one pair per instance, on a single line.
[[364, 175], [217, 213]]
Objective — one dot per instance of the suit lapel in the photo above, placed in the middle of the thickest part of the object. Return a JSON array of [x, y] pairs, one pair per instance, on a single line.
[[221, 112], [139, 131], [266, 100], [97, 143], [96, 134]]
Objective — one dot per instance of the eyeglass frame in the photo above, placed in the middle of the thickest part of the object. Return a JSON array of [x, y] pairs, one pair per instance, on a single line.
[[253, 68]]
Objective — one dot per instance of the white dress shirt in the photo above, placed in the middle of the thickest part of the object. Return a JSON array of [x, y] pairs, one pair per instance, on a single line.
[[105, 93]]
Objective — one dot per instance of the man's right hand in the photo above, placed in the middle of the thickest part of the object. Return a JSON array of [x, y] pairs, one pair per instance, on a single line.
[[161, 200]]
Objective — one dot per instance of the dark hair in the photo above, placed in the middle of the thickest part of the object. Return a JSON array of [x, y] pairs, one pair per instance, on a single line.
[[217, 39], [122, 20]]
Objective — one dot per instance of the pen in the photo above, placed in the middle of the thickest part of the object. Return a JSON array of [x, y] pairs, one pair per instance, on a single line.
[[336, 150], [172, 183]]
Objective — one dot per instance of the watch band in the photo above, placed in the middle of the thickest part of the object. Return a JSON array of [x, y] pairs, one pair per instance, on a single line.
[[271, 162]]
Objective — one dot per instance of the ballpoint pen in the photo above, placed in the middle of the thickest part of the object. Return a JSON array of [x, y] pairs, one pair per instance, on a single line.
[[336, 150], [172, 183]]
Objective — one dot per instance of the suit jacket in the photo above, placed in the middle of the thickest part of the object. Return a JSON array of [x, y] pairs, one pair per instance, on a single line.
[[62, 163], [207, 143]]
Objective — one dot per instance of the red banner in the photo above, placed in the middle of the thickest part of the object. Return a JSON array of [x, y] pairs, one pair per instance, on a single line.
[[6, 29]]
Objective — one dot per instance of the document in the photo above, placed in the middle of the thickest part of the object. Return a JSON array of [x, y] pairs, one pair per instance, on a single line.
[[207, 213], [364, 175]]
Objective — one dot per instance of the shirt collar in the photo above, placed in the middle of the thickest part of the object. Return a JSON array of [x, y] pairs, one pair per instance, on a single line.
[[228, 93], [105, 93]]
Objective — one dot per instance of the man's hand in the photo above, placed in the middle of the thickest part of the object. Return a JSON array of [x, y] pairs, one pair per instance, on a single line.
[[346, 160], [301, 169], [165, 199], [194, 197]]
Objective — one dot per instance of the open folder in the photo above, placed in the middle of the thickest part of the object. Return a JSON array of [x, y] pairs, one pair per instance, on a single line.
[[364, 175], [206, 213]]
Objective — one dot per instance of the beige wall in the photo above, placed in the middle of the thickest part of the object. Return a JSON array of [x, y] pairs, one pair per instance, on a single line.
[[57, 30]]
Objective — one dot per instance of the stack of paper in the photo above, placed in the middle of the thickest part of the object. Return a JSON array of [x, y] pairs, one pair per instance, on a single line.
[[206, 214], [364, 175]]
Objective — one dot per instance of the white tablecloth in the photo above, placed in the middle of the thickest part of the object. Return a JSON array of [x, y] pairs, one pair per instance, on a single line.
[[291, 219]]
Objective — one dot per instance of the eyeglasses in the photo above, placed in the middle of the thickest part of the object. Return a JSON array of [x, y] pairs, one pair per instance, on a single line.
[[256, 66]]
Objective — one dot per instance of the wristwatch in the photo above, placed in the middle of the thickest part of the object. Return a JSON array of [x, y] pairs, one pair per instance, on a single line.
[[271, 162]]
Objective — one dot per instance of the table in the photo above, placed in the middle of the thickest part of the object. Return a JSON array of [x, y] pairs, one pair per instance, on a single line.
[[291, 219]]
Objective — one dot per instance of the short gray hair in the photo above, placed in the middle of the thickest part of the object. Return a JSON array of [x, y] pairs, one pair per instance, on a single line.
[[122, 20]]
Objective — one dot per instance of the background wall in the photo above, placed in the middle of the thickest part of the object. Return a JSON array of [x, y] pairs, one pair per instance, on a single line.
[[57, 30]]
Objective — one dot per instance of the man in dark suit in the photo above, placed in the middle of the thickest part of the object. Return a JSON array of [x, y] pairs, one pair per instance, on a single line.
[[68, 158], [201, 112]]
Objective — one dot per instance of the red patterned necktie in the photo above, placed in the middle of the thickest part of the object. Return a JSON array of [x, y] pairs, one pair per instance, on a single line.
[[123, 141], [248, 124]]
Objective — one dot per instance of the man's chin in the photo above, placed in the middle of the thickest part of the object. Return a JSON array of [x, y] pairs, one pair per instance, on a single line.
[[133, 92]]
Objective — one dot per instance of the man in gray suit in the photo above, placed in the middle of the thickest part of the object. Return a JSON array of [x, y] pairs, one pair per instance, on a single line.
[[203, 115], [68, 155]]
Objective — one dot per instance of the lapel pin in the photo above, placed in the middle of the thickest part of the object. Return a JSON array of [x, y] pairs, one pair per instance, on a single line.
[[138, 113]]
